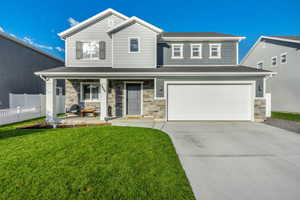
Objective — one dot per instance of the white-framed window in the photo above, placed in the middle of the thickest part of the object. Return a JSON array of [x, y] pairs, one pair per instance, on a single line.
[[274, 61], [214, 50], [196, 50], [87, 50], [177, 51], [134, 45], [260, 64], [89, 91], [283, 58]]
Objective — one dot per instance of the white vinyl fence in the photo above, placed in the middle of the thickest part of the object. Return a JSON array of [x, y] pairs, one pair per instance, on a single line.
[[28, 106]]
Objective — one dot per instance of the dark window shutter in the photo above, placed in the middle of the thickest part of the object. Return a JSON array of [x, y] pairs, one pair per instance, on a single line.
[[102, 50], [79, 53]]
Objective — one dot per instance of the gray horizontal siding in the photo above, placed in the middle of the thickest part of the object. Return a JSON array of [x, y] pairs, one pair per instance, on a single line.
[[17, 66], [161, 81], [96, 32], [228, 54], [146, 58]]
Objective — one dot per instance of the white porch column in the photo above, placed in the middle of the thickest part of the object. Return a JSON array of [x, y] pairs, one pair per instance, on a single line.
[[51, 100], [103, 99]]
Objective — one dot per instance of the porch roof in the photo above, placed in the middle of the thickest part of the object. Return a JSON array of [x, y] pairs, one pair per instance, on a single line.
[[160, 71]]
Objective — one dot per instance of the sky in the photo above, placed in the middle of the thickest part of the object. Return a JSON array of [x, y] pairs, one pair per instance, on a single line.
[[38, 22]]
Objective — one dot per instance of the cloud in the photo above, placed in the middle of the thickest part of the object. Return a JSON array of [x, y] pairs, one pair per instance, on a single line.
[[1, 29], [13, 35], [72, 21], [30, 41], [60, 49]]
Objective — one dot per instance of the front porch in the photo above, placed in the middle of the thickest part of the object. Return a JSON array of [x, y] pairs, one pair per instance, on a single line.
[[118, 99]]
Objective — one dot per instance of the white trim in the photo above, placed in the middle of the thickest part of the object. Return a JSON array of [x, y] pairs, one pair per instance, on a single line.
[[81, 92], [201, 65], [219, 46], [264, 86], [125, 97], [202, 38], [92, 19], [276, 60], [139, 44], [181, 51], [252, 83], [112, 51], [259, 63], [286, 56], [237, 53], [135, 19], [199, 49]]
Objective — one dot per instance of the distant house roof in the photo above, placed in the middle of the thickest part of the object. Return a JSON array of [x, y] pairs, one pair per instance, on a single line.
[[20, 42], [284, 38], [194, 70], [199, 35], [195, 34]]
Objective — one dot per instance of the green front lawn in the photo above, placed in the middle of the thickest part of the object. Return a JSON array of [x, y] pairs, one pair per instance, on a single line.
[[287, 116], [90, 163]]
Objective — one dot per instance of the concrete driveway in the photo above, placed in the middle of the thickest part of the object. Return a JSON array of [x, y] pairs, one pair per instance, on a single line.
[[236, 161], [239, 161]]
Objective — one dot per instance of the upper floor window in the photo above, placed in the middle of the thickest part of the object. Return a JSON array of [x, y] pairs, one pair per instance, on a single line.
[[283, 58], [260, 65], [90, 50], [134, 45], [196, 51], [274, 61], [214, 50], [177, 50], [89, 92]]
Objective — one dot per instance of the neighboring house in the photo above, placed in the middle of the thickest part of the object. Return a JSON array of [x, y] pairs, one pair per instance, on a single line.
[[18, 62], [125, 66], [280, 54]]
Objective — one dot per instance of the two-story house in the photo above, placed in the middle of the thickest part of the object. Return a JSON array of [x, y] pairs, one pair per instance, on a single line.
[[280, 54], [124, 66]]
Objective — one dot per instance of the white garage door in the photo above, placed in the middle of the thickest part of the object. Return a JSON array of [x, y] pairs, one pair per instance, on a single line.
[[210, 102]]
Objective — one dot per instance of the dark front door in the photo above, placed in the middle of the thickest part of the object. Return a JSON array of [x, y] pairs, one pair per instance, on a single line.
[[133, 100]]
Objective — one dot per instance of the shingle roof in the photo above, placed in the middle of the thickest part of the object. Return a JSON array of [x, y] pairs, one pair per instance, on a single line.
[[184, 69], [296, 37], [196, 34]]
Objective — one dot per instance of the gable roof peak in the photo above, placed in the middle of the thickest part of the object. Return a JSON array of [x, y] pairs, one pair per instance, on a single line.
[[134, 19], [90, 20]]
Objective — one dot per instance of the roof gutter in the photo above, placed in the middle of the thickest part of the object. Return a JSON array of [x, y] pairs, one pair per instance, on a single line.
[[202, 38], [136, 74]]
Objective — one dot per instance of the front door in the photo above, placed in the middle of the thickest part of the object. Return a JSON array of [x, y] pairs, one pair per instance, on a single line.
[[133, 99]]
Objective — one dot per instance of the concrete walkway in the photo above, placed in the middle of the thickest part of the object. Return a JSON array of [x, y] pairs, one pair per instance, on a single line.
[[236, 161]]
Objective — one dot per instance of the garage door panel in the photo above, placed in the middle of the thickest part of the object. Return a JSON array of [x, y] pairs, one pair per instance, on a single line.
[[209, 102]]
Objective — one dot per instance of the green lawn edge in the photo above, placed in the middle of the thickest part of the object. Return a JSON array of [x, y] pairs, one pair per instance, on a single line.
[[286, 116]]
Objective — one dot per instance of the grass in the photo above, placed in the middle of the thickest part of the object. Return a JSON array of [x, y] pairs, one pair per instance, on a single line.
[[286, 116], [89, 163]]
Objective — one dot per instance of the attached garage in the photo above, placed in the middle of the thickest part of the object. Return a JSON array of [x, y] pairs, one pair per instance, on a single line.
[[210, 101]]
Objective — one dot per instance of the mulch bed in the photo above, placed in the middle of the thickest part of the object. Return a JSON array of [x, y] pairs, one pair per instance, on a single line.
[[44, 125]]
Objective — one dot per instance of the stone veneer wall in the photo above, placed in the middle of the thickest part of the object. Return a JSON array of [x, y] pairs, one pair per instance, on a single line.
[[260, 109], [73, 95], [151, 107]]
